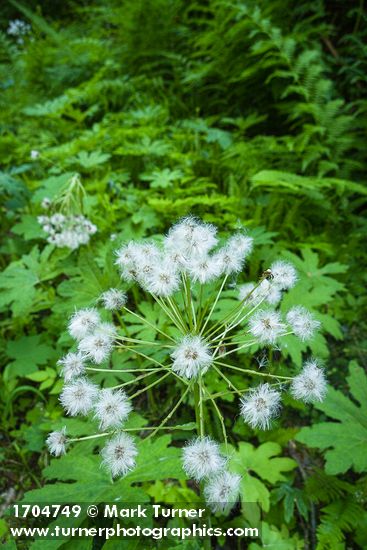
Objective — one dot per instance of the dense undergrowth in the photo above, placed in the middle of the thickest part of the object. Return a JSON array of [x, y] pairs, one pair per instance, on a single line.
[[245, 114]]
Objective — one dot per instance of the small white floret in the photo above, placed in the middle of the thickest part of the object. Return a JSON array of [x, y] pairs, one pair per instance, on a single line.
[[204, 269], [78, 396], [222, 491], [302, 322], [284, 274], [310, 386], [113, 299], [191, 357], [56, 442], [98, 345], [73, 365], [266, 326], [119, 455], [202, 458], [259, 406], [112, 408], [83, 322]]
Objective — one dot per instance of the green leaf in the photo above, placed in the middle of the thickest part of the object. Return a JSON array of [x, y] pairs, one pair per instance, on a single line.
[[265, 463], [345, 441]]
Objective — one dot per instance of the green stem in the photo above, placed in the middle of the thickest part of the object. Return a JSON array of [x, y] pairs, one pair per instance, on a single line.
[[249, 371], [170, 414]]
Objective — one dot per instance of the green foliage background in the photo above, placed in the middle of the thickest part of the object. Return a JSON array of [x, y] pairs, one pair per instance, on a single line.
[[241, 112]]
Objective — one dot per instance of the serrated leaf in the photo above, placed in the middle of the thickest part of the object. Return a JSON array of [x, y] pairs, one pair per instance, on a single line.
[[345, 441]]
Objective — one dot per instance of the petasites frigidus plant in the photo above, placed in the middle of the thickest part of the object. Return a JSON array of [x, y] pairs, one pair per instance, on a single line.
[[186, 275]]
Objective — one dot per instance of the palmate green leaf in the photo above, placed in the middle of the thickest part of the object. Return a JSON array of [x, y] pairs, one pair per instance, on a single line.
[[28, 228], [28, 352], [162, 178], [93, 484], [258, 465], [279, 539], [91, 159], [344, 441]]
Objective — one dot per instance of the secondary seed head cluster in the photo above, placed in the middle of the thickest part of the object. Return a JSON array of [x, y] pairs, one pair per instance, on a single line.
[[67, 231]]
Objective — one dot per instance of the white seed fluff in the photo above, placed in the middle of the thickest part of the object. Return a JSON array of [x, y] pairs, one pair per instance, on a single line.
[[112, 408], [119, 455], [78, 397], [204, 269], [164, 280], [310, 386], [98, 345], [113, 299], [56, 442], [83, 322], [202, 458], [191, 238], [284, 274], [73, 365], [266, 326], [302, 322], [191, 357], [264, 292], [259, 406], [222, 491]]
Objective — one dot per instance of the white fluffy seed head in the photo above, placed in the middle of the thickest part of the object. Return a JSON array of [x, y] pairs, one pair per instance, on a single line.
[[302, 322], [56, 442], [191, 357], [113, 299], [67, 231], [241, 244], [266, 326], [264, 292], [229, 261], [98, 345], [83, 322], [284, 274], [190, 238], [112, 408], [222, 491], [119, 455], [73, 365], [164, 279], [202, 458], [78, 396], [310, 385], [259, 406], [204, 269]]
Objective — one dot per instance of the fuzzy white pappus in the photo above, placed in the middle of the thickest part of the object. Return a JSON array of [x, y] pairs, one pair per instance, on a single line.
[[266, 326], [164, 279], [191, 357], [302, 322], [73, 365], [98, 345], [191, 238], [119, 455], [83, 322], [222, 491], [284, 274], [56, 442], [112, 408], [310, 385], [78, 396], [113, 299], [202, 458], [265, 291], [204, 269], [259, 406]]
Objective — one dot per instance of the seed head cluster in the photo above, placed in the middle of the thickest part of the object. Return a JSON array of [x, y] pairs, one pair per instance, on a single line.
[[190, 275], [67, 231]]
